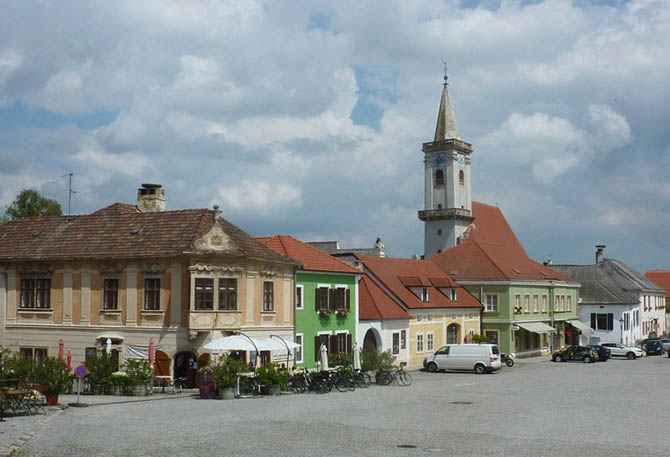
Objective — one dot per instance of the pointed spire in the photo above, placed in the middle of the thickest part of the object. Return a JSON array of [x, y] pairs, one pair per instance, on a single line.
[[446, 121]]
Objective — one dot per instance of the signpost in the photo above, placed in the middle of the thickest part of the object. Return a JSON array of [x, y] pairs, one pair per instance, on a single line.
[[80, 372]]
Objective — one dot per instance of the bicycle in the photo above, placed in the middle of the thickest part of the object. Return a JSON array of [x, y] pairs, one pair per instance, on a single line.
[[395, 376]]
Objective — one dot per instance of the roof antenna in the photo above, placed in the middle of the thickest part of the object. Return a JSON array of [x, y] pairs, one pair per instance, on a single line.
[[69, 195], [445, 72]]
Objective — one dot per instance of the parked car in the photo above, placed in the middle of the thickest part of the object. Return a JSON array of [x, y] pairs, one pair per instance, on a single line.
[[583, 353], [653, 347], [603, 352], [619, 350], [666, 344], [482, 358]]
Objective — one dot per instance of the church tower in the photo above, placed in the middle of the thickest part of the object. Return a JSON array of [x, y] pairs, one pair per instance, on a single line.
[[447, 199]]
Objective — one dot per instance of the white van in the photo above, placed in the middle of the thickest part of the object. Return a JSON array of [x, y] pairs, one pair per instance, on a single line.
[[482, 358]]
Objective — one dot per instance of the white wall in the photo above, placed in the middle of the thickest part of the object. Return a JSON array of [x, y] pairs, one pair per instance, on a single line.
[[614, 335]]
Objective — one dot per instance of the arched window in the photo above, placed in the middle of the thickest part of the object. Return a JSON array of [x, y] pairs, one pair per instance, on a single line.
[[439, 178], [461, 178]]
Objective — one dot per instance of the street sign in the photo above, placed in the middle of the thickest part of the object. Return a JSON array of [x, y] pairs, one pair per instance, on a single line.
[[80, 371]]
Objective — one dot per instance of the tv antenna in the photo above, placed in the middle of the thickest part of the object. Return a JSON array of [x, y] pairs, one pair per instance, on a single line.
[[69, 194]]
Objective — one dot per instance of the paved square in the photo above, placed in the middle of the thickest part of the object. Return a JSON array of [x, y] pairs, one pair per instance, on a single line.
[[617, 408]]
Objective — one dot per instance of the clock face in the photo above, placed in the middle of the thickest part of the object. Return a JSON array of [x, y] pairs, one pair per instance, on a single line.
[[439, 160], [461, 160]]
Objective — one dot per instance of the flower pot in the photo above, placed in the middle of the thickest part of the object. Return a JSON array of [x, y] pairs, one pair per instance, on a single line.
[[117, 390], [99, 389], [52, 399], [271, 390], [139, 390], [226, 393]]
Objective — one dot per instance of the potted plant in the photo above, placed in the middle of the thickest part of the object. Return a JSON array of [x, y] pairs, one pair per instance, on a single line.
[[140, 375], [100, 368], [52, 374], [225, 371], [118, 381], [376, 361], [272, 378]]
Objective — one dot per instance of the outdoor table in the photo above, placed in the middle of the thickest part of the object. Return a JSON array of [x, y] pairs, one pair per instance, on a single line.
[[164, 381]]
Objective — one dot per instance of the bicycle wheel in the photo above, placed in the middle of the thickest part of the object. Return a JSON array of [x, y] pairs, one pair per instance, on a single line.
[[341, 383], [404, 378], [350, 383], [367, 380], [384, 378]]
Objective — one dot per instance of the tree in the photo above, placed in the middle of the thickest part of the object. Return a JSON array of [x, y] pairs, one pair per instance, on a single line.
[[30, 203]]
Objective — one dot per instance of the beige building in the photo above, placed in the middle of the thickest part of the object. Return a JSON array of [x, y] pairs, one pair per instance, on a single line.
[[130, 273]]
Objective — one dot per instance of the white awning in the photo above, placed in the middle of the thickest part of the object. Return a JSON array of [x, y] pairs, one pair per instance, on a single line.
[[580, 325], [536, 327]]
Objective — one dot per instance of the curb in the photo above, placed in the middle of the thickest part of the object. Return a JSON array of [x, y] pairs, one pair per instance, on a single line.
[[8, 451], [122, 402]]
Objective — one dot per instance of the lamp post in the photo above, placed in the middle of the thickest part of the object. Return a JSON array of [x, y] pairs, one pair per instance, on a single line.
[[621, 329]]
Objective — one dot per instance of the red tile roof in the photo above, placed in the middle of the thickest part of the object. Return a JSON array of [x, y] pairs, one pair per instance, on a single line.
[[109, 234], [375, 304], [389, 272], [660, 277], [491, 251], [312, 258]]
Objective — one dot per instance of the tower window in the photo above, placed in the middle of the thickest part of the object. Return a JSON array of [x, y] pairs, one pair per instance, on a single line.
[[461, 178], [439, 231], [439, 178]]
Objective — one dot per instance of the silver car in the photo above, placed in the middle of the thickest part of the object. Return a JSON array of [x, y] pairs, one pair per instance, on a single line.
[[619, 350]]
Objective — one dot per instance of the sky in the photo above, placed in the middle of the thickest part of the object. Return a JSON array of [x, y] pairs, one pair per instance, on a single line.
[[307, 118]]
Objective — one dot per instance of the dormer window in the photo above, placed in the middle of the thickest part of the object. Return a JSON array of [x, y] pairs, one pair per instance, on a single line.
[[424, 295], [439, 178], [454, 297]]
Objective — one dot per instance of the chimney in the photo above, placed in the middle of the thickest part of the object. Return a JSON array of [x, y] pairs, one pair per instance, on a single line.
[[151, 198], [600, 253]]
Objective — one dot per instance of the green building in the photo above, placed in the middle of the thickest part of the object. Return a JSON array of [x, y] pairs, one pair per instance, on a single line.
[[528, 307], [326, 299]]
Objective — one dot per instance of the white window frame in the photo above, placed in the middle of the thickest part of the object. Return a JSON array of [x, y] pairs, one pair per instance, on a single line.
[[536, 304], [497, 332], [430, 337], [454, 316], [300, 292], [302, 348], [526, 303], [424, 295], [545, 299], [569, 303], [419, 317], [493, 308], [429, 317], [419, 334]]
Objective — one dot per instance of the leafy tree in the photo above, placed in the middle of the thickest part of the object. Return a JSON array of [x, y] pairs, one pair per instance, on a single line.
[[30, 203]]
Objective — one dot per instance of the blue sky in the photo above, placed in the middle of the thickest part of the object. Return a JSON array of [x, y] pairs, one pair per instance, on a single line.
[[307, 118]]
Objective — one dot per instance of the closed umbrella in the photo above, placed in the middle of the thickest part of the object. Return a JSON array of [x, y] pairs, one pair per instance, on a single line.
[[108, 346], [151, 352], [69, 360], [357, 357], [324, 357], [61, 349]]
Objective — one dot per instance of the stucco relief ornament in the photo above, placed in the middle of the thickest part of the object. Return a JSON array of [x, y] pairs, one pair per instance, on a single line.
[[36, 269], [216, 239], [211, 268], [268, 273], [111, 269], [154, 268]]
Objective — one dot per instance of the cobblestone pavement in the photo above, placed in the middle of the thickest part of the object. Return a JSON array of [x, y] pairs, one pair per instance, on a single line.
[[618, 408]]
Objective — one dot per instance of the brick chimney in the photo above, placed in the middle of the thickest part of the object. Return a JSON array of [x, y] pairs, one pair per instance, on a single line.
[[600, 253], [151, 198]]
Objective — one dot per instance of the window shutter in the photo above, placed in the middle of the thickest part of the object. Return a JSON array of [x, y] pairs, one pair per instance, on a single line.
[[348, 343], [593, 321], [610, 321], [334, 349], [316, 299], [332, 297], [317, 345], [348, 298]]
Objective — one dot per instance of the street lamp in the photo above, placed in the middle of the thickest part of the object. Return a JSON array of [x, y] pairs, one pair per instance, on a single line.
[[621, 328]]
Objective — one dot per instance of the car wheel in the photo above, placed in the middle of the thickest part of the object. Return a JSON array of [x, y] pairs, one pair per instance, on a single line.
[[432, 367], [630, 356], [558, 358], [480, 369], [587, 359]]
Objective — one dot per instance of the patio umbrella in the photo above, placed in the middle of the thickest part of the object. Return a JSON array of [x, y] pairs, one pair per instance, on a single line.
[[61, 347], [151, 352], [108, 346], [69, 360], [232, 343], [357, 357], [324, 357]]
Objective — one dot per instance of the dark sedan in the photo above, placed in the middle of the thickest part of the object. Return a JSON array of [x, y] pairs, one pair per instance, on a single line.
[[653, 347], [602, 352], [582, 353]]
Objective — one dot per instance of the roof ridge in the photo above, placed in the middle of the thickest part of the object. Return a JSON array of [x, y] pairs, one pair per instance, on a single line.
[[488, 257], [319, 251]]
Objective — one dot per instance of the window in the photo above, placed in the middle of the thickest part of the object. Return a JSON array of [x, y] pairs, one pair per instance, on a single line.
[[439, 178], [419, 342], [319, 340], [558, 302], [602, 321], [471, 316], [110, 294], [396, 343], [492, 303], [429, 342], [454, 298], [544, 303], [341, 297], [341, 344], [439, 232], [461, 178], [298, 351], [35, 354], [403, 339], [569, 303], [453, 316], [424, 295], [562, 302], [491, 336], [429, 317], [268, 296], [535, 308], [419, 317], [36, 293], [228, 294], [298, 297], [90, 353], [526, 303], [517, 303], [152, 294], [204, 294], [321, 299]]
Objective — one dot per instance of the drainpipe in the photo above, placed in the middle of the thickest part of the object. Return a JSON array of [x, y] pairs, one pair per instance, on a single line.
[[481, 310]]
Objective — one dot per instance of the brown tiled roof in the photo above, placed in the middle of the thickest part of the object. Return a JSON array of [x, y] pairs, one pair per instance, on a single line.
[[492, 252], [389, 271], [375, 304], [312, 258], [109, 233], [660, 277]]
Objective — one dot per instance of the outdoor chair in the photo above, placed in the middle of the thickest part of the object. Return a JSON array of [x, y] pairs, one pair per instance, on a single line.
[[178, 384]]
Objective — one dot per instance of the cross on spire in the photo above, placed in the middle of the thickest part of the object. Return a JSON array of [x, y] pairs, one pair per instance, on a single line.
[[445, 71]]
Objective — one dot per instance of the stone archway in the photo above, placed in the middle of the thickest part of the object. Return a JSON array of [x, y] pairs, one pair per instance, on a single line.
[[162, 364], [372, 340], [453, 334], [186, 365]]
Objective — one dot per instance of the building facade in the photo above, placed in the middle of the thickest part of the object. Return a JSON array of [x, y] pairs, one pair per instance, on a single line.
[[662, 279], [326, 300], [130, 273]]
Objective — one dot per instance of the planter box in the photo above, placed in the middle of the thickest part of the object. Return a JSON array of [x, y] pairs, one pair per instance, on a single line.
[[271, 390], [226, 393], [140, 391]]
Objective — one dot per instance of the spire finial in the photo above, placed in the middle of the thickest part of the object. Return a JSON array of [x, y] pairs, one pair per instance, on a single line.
[[445, 71]]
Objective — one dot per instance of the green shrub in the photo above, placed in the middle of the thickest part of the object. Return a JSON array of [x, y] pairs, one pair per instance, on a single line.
[[16, 367], [225, 371], [376, 360], [139, 372], [119, 378], [52, 373], [271, 374], [100, 368], [476, 339]]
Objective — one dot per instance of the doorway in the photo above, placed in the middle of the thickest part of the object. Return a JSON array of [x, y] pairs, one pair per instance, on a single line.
[[186, 365], [453, 336]]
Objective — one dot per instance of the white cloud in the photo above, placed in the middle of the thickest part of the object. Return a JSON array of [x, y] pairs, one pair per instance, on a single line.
[[130, 163], [10, 61], [261, 197]]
